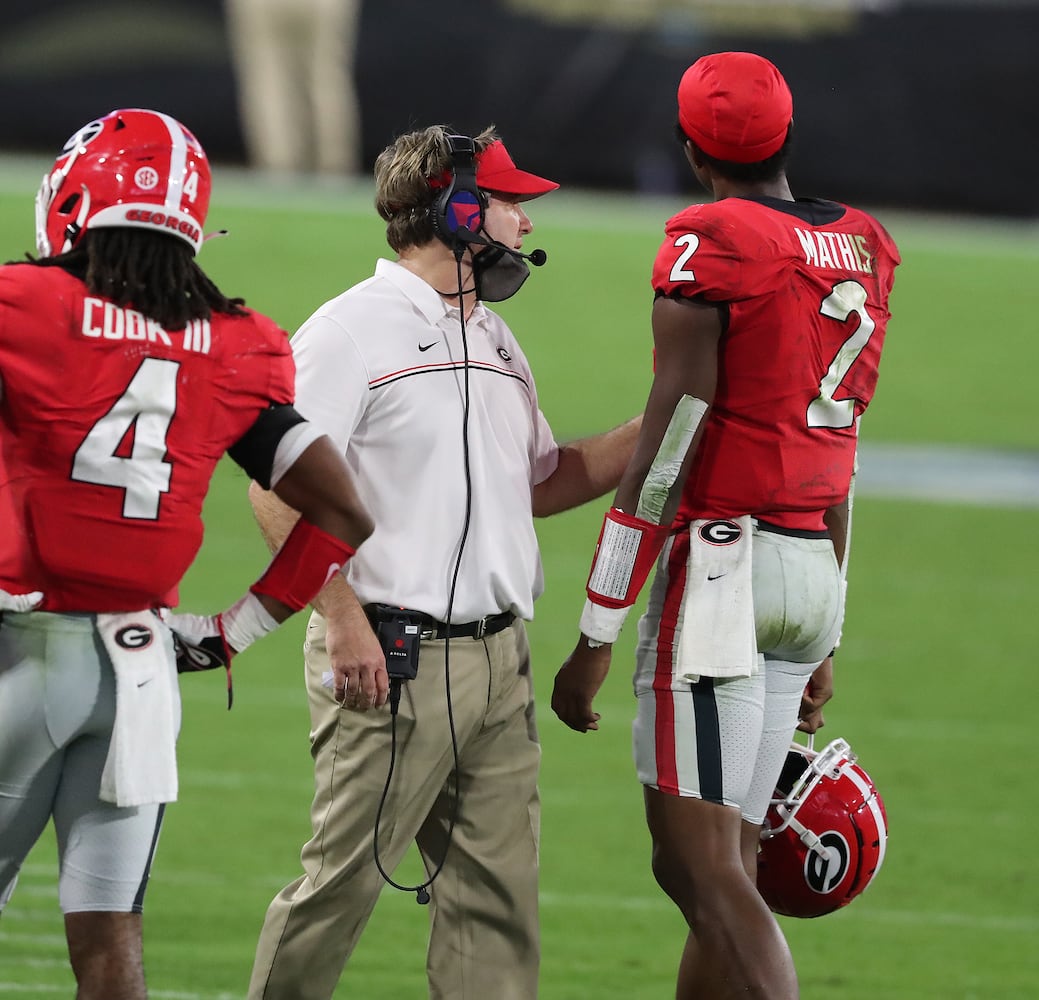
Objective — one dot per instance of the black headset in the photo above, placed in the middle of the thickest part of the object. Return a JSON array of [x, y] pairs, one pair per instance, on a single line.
[[461, 205]]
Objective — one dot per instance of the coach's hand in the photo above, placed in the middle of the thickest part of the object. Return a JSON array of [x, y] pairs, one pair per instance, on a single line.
[[359, 678], [20, 602], [577, 683]]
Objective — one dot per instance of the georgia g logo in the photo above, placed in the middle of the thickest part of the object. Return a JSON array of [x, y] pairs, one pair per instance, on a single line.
[[720, 532], [826, 865], [134, 637]]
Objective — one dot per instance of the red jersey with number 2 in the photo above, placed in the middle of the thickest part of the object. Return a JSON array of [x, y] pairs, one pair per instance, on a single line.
[[805, 285], [110, 429]]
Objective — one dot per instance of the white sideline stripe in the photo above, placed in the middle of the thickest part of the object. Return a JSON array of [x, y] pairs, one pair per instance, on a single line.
[[948, 474]]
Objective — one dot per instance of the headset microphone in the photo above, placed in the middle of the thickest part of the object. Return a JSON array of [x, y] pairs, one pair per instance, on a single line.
[[466, 235]]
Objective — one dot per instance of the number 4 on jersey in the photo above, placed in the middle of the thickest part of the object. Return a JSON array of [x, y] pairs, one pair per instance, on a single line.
[[143, 414]]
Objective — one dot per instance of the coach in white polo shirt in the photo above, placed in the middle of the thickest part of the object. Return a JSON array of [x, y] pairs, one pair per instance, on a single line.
[[430, 397]]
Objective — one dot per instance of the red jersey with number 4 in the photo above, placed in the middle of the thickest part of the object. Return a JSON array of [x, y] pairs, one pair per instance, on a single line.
[[110, 429], [805, 285]]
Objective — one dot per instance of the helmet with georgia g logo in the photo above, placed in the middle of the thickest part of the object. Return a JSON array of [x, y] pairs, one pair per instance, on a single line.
[[135, 168], [825, 833]]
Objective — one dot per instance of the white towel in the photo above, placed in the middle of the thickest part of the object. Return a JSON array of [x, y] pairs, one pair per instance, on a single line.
[[717, 637], [141, 767]]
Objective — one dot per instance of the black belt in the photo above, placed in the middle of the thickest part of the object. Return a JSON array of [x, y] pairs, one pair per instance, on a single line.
[[778, 529], [433, 629]]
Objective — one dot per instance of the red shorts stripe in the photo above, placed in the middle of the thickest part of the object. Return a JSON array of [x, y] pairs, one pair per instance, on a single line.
[[667, 767]]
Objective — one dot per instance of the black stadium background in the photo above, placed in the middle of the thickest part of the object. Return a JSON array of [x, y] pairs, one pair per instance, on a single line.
[[929, 105]]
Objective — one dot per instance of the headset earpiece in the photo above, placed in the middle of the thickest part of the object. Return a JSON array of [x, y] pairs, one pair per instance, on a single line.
[[461, 204]]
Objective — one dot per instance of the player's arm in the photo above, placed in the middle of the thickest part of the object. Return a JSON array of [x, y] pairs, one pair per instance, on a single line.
[[288, 454], [18, 602], [819, 689], [686, 336], [359, 678]]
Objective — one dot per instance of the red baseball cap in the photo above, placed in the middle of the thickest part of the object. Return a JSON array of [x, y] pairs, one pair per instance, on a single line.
[[495, 171], [735, 106]]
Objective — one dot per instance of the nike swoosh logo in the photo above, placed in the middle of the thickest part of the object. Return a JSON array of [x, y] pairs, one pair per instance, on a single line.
[[718, 576], [426, 347], [141, 684]]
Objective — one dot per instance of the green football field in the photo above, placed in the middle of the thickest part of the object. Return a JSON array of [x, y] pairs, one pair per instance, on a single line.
[[936, 676]]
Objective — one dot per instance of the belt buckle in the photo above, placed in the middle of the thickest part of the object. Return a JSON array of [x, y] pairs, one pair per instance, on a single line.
[[481, 627]]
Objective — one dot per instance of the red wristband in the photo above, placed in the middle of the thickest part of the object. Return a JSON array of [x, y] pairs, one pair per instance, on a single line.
[[307, 560], [627, 548]]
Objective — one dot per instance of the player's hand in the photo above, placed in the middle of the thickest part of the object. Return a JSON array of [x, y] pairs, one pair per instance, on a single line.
[[20, 602], [818, 691], [199, 642], [359, 678], [577, 683]]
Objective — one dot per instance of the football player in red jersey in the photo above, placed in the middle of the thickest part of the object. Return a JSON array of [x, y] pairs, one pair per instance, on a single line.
[[125, 375], [768, 323]]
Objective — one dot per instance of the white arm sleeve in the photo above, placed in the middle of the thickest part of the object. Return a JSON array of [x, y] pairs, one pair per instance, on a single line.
[[293, 443]]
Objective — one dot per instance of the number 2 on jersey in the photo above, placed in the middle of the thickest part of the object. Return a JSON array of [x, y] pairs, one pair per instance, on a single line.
[[847, 297], [143, 412]]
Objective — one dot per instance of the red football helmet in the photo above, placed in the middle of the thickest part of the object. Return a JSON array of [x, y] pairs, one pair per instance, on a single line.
[[131, 168], [824, 835]]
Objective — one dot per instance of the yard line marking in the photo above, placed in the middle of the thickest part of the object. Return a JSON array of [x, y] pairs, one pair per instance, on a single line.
[[998, 924], [37, 963], [56, 940]]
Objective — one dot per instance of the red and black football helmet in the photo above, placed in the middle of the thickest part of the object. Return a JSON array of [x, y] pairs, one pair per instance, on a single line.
[[824, 835], [134, 168]]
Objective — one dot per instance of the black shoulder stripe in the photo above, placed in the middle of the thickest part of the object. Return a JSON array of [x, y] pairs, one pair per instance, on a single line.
[[254, 451]]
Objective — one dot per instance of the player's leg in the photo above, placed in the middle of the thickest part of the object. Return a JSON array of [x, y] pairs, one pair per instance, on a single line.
[[30, 763], [106, 855], [106, 955], [105, 851], [694, 749], [484, 939]]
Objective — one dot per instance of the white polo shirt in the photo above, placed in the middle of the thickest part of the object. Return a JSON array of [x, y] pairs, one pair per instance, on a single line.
[[381, 370]]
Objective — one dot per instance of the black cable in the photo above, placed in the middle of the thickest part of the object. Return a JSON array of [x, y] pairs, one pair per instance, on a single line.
[[421, 890]]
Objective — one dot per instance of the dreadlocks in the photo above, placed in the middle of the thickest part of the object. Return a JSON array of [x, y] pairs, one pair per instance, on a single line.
[[153, 273]]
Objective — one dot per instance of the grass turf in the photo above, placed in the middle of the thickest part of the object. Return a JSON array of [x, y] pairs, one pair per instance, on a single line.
[[935, 676]]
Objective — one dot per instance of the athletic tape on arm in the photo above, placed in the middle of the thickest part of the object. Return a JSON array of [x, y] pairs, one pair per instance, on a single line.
[[628, 546], [656, 488], [307, 560]]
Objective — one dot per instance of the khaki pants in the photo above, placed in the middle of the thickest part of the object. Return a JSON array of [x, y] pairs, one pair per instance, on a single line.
[[483, 914], [294, 61]]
